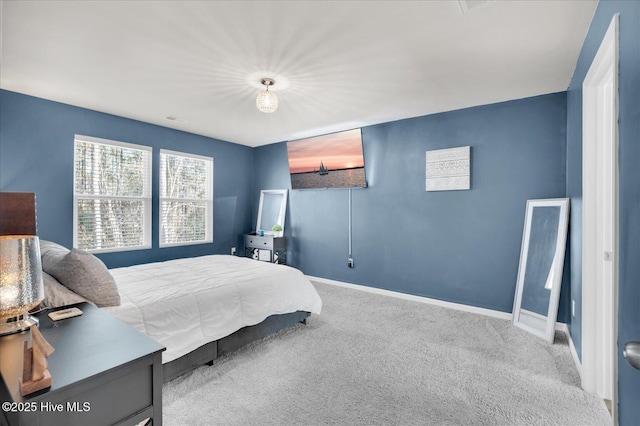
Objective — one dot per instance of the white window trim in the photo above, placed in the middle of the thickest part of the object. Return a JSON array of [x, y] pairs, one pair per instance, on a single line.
[[146, 197], [209, 201]]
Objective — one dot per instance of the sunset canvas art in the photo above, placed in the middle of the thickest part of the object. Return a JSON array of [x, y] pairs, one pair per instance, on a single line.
[[330, 161]]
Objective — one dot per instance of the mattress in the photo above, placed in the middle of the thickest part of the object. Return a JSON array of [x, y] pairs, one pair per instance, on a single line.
[[185, 303]]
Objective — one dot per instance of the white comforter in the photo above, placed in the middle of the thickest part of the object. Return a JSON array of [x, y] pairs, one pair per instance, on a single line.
[[185, 303]]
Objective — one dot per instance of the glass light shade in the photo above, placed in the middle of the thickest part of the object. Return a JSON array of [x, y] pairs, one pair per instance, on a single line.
[[267, 101], [21, 286]]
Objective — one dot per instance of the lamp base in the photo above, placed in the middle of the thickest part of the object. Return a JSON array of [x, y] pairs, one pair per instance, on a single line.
[[30, 387], [17, 324]]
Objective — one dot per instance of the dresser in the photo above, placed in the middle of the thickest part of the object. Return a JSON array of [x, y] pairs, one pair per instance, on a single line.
[[103, 372], [266, 248]]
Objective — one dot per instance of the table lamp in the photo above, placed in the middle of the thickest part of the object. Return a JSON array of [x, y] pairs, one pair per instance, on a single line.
[[21, 287]]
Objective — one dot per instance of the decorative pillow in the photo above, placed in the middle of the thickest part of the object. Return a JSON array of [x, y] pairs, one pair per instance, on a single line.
[[51, 254], [55, 294], [86, 275]]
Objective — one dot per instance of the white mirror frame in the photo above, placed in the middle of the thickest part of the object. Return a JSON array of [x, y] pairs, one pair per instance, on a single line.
[[281, 214], [533, 322]]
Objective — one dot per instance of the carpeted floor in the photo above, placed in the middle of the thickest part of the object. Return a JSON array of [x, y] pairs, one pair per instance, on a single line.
[[376, 360]]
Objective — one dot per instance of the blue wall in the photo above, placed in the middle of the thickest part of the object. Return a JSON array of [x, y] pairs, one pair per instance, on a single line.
[[36, 155], [458, 246], [404, 238], [629, 180]]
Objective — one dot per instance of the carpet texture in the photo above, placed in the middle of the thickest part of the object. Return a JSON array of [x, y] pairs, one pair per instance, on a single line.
[[377, 360]]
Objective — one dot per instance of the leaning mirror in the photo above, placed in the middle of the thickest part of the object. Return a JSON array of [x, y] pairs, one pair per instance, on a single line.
[[272, 209], [535, 307]]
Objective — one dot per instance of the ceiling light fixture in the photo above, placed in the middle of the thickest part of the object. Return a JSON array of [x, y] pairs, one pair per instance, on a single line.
[[267, 101]]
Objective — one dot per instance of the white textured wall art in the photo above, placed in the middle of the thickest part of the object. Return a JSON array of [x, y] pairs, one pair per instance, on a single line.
[[449, 169]]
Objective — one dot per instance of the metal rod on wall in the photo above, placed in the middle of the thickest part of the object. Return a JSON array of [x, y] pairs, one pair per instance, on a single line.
[[350, 259]]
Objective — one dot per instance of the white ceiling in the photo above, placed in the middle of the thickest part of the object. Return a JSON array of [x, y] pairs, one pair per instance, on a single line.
[[337, 64]]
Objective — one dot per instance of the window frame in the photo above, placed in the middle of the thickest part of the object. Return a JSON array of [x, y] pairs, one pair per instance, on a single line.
[[146, 197], [209, 200]]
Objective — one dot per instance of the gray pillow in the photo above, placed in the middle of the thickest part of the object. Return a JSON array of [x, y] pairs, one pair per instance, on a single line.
[[55, 294], [51, 254], [86, 275]]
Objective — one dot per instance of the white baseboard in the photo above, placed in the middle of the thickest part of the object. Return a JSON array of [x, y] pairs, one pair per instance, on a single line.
[[560, 326], [421, 299]]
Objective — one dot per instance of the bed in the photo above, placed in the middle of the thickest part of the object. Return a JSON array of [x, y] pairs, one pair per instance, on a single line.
[[199, 308], [210, 304]]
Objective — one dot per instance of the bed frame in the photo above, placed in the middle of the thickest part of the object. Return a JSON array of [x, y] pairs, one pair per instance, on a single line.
[[207, 353], [18, 217]]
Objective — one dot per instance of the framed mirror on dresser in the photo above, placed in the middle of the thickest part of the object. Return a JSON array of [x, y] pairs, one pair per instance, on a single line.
[[268, 242], [271, 212]]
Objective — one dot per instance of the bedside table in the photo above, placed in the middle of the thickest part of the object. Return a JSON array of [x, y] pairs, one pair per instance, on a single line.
[[266, 248], [103, 372]]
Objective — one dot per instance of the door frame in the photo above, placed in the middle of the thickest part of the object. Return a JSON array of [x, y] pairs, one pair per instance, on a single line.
[[600, 218]]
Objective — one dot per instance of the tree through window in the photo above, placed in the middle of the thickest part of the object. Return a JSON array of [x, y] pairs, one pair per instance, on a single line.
[[186, 199], [112, 195]]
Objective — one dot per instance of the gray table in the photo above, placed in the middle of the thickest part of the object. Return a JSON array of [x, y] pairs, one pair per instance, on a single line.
[[275, 247], [103, 372]]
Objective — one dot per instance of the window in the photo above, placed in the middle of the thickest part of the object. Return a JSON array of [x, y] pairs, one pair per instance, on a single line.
[[186, 199], [112, 195]]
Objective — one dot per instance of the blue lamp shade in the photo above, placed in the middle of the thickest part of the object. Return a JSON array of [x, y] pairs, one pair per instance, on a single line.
[[21, 287]]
